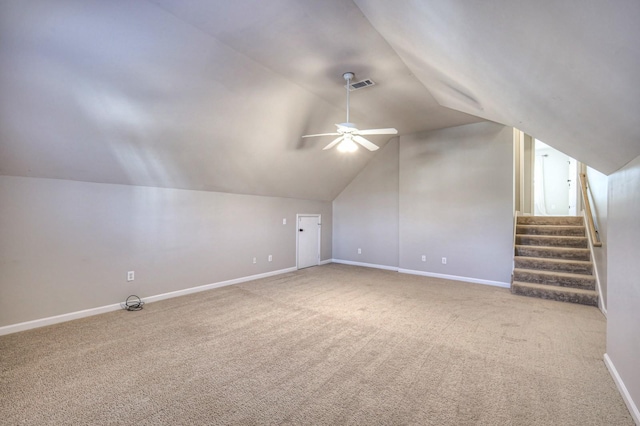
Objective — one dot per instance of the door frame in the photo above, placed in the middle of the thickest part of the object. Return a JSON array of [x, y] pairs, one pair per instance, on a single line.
[[297, 228]]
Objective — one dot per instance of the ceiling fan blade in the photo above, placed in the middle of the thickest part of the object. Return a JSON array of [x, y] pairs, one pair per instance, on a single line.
[[334, 143], [362, 141], [321, 134], [389, 131]]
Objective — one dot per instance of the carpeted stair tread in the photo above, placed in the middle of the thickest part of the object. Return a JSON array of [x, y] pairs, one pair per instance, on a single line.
[[551, 241], [568, 230], [569, 253], [555, 265], [552, 260], [550, 220], [563, 294], [558, 279]]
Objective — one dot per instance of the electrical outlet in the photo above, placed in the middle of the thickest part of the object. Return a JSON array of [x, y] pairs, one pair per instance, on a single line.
[[270, 258], [255, 260], [444, 260], [131, 275], [424, 258], [284, 220], [359, 251]]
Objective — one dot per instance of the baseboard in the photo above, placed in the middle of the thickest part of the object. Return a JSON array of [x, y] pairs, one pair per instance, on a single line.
[[326, 261], [456, 278], [366, 265], [206, 287], [426, 274], [43, 322], [28, 325], [631, 405], [603, 309]]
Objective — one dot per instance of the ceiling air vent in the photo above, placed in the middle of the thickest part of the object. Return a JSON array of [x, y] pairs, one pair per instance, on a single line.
[[361, 84]]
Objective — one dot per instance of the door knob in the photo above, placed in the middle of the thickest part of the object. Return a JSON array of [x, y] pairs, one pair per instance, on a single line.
[[301, 229]]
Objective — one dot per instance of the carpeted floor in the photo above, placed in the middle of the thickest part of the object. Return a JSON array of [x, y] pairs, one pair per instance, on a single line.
[[334, 345]]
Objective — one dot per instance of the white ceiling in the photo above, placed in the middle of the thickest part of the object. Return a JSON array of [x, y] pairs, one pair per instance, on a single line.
[[214, 95], [563, 71]]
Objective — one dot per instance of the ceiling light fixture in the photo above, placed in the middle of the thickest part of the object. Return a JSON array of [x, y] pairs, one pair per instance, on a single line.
[[348, 134], [347, 145]]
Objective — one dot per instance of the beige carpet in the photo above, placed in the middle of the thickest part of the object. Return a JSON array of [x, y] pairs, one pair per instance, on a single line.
[[327, 345]]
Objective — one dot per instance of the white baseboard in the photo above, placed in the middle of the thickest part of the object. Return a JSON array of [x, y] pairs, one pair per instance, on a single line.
[[603, 309], [456, 278], [42, 322], [631, 405], [325, 262], [425, 274], [366, 265], [205, 287]]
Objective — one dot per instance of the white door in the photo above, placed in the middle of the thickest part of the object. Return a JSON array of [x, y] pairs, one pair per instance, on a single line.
[[308, 240], [551, 181]]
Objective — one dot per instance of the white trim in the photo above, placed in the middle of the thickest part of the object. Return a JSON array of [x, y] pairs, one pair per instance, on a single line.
[[518, 158], [366, 265], [42, 322], [456, 278], [603, 309], [326, 261], [633, 408], [205, 287], [601, 305], [425, 274]]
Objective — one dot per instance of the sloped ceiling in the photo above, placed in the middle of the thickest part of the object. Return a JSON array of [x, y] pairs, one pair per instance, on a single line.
[[214, 95], [198, 95], [565, 72]]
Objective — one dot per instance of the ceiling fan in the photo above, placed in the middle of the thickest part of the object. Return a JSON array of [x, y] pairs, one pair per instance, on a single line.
[[348, 134]]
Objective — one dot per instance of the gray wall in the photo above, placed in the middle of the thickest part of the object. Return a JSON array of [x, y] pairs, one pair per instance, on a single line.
[[446, 193], [456, 201], [366, 213], [66, 246], [623, 238], [598, 187]]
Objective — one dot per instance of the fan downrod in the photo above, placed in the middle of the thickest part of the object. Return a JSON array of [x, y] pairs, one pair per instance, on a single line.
[[348, 134], [348, 76]]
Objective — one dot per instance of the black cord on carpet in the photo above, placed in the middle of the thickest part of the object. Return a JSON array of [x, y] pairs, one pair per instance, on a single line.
[[133, 303]]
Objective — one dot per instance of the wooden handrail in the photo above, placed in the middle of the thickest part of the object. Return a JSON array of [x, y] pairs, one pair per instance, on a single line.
[[595, 238]]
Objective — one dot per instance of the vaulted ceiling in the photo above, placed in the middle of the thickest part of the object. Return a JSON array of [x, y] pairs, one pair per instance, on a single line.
[[215, 95]]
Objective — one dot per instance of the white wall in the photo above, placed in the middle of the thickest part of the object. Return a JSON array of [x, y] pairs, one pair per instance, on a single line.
[[366, 213], [598, 187], [66, 246], [623, 238], [456, 201], [446, 193]]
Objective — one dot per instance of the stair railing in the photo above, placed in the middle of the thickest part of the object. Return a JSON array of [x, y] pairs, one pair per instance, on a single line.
[[591, 220]]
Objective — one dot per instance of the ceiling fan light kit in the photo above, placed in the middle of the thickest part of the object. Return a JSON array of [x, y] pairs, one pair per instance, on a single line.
[[348, 134], [347, 145]]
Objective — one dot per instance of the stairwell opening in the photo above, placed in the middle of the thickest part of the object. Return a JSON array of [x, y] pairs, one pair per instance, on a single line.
[[552, 258]]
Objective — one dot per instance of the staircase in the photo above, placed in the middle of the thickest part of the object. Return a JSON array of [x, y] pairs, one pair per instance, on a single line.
[[553, 261]]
